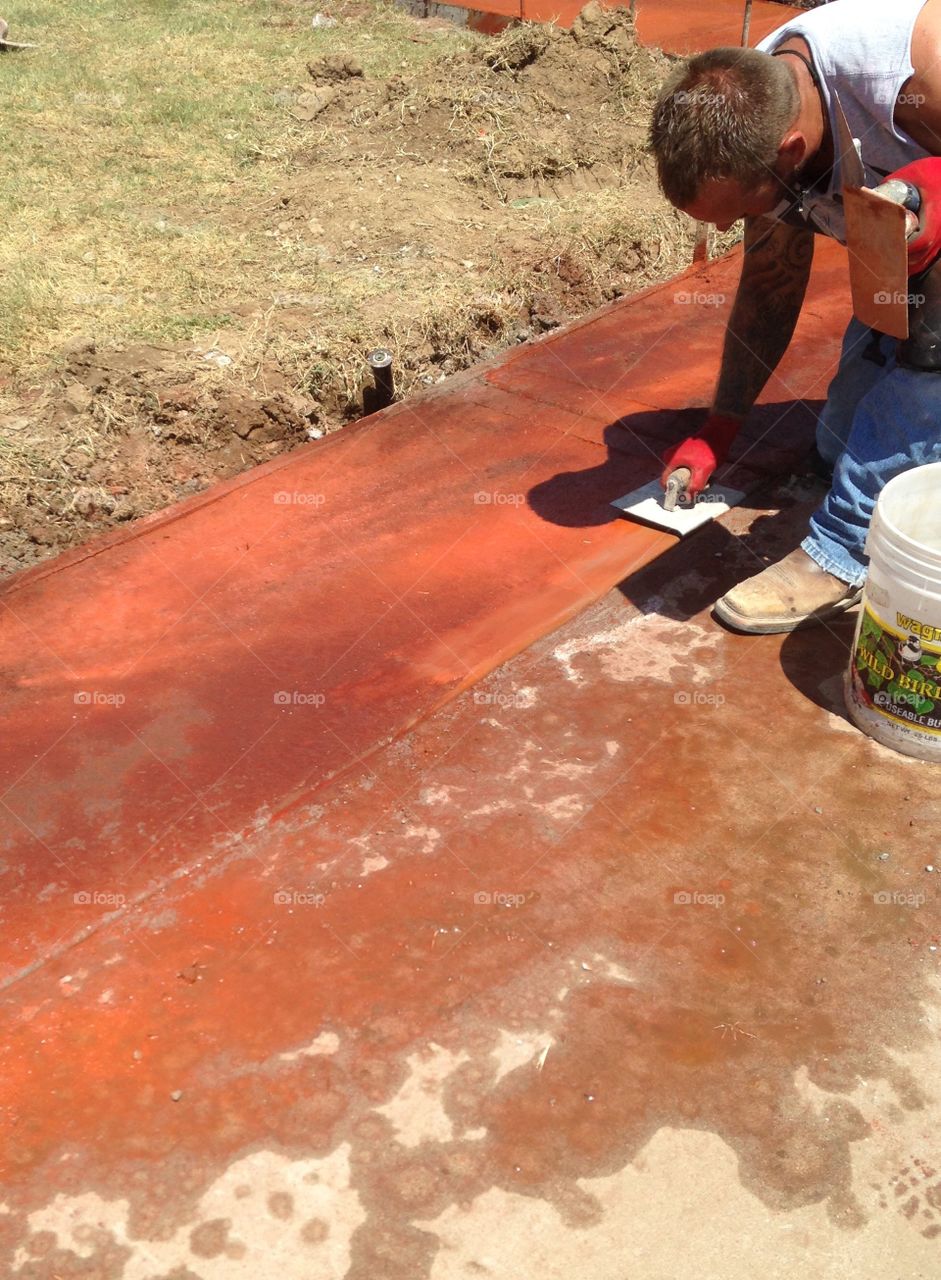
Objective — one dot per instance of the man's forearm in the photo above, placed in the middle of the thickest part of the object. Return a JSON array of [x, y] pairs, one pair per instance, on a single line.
[[769, 298]]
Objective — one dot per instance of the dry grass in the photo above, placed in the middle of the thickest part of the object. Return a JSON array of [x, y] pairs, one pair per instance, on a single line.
[[137, 141]]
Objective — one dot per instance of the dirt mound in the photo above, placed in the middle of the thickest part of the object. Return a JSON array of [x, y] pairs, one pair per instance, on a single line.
[[536, 112], [444, 208]]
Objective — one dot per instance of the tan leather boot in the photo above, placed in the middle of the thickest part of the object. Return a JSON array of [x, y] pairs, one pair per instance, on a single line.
[[793, 593]]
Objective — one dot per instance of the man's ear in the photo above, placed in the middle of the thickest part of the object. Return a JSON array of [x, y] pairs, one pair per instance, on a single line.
[[791, 152]]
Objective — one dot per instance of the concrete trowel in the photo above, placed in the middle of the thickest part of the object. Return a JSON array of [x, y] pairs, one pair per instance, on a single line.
[[672, 508]]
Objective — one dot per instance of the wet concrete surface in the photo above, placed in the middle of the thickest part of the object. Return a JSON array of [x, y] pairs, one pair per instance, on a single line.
[[624, 962]]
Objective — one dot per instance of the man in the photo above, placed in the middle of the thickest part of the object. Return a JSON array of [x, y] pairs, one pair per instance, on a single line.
[[749, 133]]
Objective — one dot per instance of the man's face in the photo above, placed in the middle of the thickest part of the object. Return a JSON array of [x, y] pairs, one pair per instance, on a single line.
[[724, 200]]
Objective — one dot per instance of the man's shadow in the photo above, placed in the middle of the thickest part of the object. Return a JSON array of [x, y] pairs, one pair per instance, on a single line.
[[771, 460]]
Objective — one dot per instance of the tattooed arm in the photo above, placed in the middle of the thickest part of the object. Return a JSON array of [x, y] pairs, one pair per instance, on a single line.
[[770, 294]]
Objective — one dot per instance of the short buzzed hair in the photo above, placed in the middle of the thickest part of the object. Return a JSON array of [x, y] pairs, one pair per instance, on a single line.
[[722, 114]]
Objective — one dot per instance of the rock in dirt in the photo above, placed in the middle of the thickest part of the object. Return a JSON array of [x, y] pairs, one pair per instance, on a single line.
[[80, 346], [261, 421], [43, 535], [546, 312], [76, 398], [311, 103]]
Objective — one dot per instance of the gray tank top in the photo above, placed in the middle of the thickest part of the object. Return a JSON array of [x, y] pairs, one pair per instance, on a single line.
[[862, 50]]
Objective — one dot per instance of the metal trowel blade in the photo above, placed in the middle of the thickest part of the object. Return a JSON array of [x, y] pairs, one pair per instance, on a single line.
[[646, 506]]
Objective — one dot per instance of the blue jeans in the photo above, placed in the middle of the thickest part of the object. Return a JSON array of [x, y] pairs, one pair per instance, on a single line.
[[878, 420]]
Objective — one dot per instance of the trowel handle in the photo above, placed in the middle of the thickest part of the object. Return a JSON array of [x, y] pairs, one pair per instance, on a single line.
[[676, 485], [901, 192]]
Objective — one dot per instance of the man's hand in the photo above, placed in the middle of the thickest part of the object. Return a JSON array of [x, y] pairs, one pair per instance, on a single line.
[[702, 453], [924, 244]]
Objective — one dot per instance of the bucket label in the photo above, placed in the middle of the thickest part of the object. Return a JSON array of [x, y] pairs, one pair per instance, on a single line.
[[897, 672]]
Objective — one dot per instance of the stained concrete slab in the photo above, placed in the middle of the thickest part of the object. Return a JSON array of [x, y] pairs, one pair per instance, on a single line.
[[598, 971]]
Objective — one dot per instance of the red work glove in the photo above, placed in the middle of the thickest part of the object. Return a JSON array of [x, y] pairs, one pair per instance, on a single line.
[[702, 453], [924, 245]]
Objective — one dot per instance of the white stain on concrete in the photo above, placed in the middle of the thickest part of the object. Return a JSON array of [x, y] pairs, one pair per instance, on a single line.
[[417, 1112], [328, 1042], [565, 808], [524, 763], [429, 837], [611, 969], [647, 646], [440, 794], [485, 810], [570, 770], [612, 638], [515, 1049], [265, 1215]]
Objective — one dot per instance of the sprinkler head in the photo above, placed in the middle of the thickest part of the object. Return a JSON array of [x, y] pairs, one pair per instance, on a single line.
[[383, 392]]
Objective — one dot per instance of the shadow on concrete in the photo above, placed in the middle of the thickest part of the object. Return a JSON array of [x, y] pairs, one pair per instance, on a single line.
[[815, 658], [636, 442], [693, 573]]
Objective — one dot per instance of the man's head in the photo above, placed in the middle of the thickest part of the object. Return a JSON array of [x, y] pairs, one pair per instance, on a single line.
[[724, 136]]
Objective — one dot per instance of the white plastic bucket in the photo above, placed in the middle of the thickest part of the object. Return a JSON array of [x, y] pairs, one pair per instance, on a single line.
[[893, 684]]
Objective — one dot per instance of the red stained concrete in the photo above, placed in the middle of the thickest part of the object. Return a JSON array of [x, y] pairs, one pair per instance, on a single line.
[[686, 29], [377, 572], [534, 836], [158, 798], [676, 28]]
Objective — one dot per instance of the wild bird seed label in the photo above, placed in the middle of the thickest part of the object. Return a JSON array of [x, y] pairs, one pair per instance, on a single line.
[[897, 670]]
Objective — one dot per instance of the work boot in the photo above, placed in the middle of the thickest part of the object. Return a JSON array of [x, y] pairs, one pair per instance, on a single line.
[[793, 593]]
